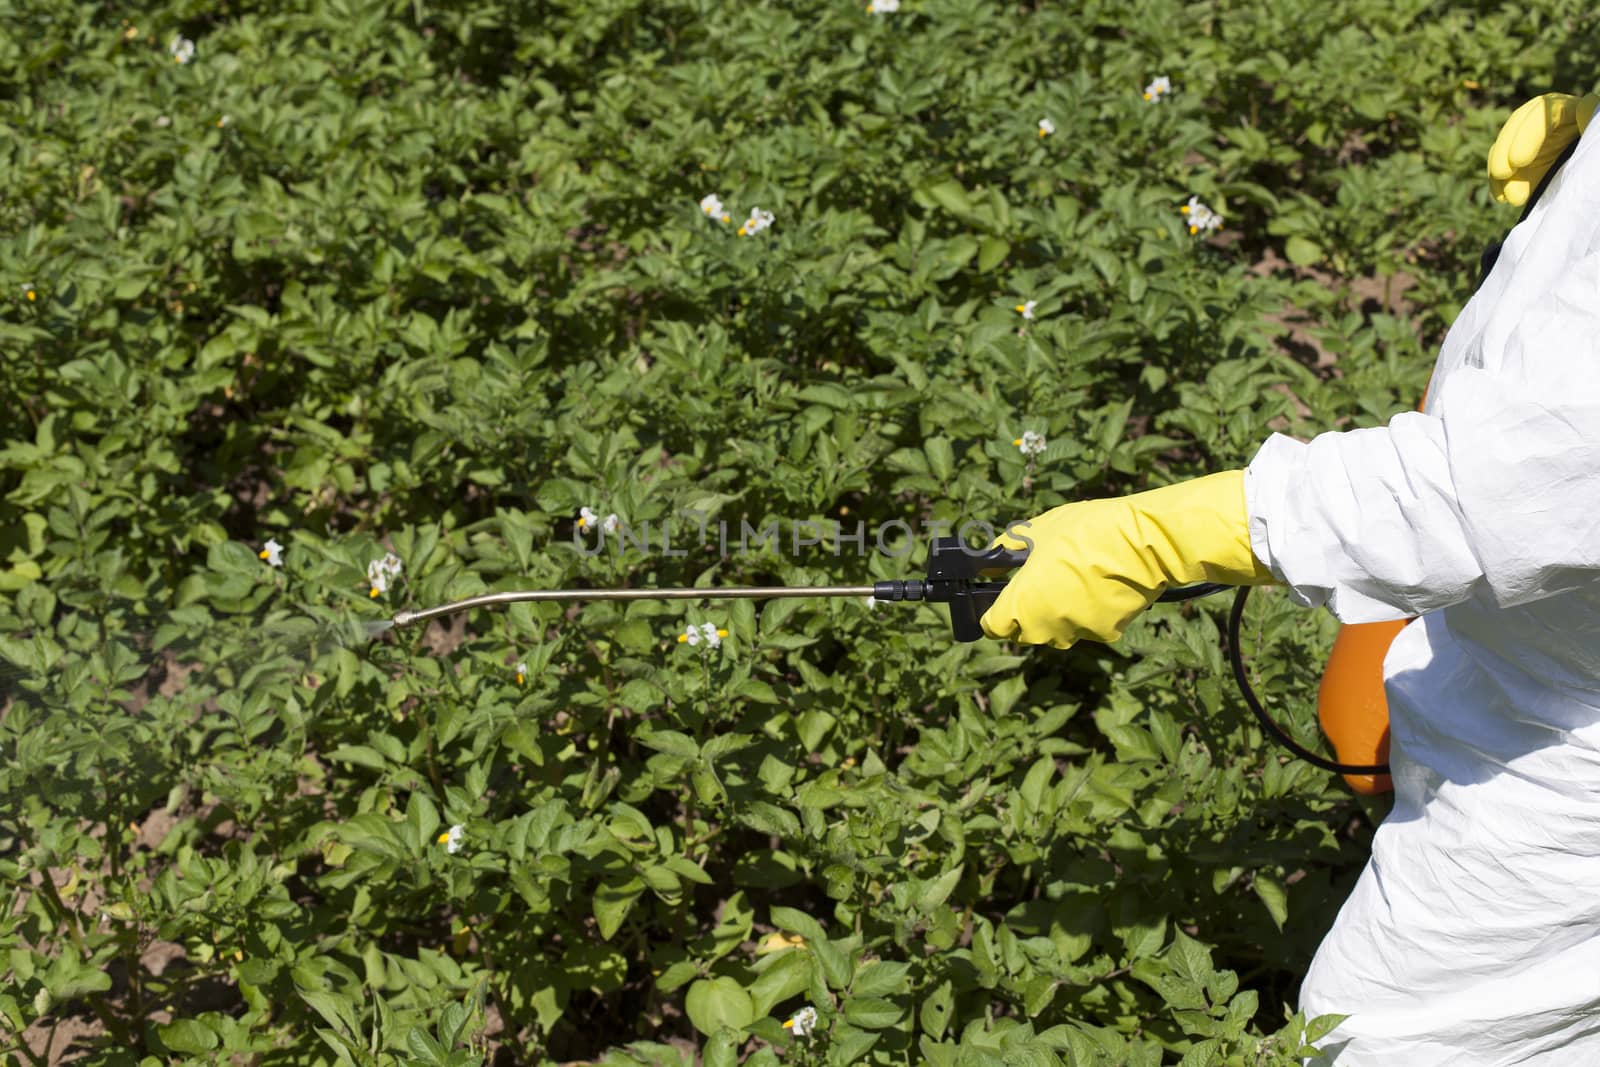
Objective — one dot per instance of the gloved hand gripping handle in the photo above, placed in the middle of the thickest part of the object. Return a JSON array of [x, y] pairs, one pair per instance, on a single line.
[[954, 572], [954, 577]]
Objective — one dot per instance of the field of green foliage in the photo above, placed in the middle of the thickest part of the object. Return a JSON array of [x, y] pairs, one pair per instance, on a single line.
[[537, 293]]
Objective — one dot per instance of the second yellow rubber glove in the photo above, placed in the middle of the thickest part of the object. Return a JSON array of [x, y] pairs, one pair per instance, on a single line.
[[1531, 140], [1095, 565]]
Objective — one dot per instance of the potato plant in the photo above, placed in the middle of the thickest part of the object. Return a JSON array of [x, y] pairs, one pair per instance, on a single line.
[[312, 311]]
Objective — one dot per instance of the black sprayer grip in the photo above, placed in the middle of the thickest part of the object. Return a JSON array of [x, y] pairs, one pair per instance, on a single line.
[[950, 559], [954, 571]]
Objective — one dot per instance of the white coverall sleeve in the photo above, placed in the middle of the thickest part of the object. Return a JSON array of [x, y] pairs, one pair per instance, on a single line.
[[1493, 493]]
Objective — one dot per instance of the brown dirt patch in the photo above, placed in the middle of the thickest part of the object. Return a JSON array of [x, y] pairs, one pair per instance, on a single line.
[[63, 1040]]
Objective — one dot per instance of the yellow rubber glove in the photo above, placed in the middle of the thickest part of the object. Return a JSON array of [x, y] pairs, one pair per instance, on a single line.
[[1530, 141], [1095, 565]]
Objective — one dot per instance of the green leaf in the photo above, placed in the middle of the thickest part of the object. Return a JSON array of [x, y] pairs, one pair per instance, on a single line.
[[936, 891], [722, 1050], [335, 1009], [949, 195], [612, 902], [424, 1047], [991, 253], [797, 922], [941, 457], [813, 726], [1274, 896], [676, 975], [669, 741], [422, 819], [1302, 252], [361, 755], [786, 976], [188, 1035], [1144, 938], [1205, 1054], [1321, 1027], [849, 1044], [878, 978], [934, 1011], [717, 1002], [1189, 958], [871, 1013], [835, 966]]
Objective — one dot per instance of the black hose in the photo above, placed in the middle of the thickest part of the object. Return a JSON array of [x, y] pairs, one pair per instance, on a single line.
[[1236, 658]]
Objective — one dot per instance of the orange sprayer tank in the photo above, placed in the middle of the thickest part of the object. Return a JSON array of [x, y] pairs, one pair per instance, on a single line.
[[1351, 705]]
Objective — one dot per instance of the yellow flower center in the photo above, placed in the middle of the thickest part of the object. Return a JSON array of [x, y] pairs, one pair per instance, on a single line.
[[375, 591]]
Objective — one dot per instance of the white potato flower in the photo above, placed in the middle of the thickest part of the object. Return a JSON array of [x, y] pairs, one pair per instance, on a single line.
[[705, 632], [1200, 217], [711, 204], [451, 839], [588, 519], [380, 572], [804, 1022], [1046, 127], [272, 552], [758, 221], [1026, 309], [182, 49], [883, 7], [1031, 443], [1157, 89]]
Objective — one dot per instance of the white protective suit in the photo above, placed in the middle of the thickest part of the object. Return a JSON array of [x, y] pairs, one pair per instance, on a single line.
[[1473, 936]]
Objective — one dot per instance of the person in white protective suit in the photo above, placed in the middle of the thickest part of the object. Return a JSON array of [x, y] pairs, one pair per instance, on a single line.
[[1472, 938]]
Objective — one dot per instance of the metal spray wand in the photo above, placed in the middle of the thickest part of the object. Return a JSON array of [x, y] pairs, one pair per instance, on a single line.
[[953, 578]]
